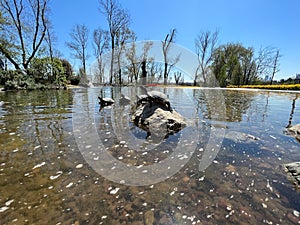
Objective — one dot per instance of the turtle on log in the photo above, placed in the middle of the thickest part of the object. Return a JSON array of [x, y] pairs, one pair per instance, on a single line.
[[155, 97]]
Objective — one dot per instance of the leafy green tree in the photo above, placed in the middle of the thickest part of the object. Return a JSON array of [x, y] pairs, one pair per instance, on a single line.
[[234, 64], [47, 71], [68, 70]]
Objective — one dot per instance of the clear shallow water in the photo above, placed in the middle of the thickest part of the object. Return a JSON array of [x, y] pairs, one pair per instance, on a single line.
[[44, 178]]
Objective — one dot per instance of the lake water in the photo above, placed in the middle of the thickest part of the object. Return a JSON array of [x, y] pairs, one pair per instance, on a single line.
[[65, 160]]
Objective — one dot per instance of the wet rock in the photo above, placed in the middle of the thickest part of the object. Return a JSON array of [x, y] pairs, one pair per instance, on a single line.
[[240, 137], [158, 122], [293, 172], [295, 131], [149, 218]]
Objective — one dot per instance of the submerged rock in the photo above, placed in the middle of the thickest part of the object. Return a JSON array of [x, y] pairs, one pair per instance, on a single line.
[[149, 218], [295, 131], [158, 122], [293, 172]]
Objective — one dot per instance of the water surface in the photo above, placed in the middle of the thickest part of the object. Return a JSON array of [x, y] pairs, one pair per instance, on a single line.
[[45, 179]]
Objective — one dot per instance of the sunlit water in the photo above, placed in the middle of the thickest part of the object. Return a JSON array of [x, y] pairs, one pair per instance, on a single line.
[[45, 178]]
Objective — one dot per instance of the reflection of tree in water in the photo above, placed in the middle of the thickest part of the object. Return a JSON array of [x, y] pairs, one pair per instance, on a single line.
[[237, 103], [292, 110], [48, 112], [211, 102]]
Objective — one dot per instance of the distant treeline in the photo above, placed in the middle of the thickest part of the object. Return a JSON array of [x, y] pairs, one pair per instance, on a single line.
[[29, 58]]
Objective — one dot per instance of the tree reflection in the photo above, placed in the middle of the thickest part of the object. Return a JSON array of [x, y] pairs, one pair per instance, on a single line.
[[292, 111], [210, 103]]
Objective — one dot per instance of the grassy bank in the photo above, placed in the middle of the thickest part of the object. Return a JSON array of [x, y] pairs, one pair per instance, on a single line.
[[270, 87]]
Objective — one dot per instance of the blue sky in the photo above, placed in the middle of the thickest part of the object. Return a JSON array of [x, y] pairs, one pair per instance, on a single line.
[[253, 23]]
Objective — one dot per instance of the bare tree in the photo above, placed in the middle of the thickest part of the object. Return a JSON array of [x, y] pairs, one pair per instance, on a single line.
[[117, 19], [177, 76], [133, 65], [24, 30], [275, 65], [123, 36], [205, 43], [264, 61], [138, 61], [168, 61], [156, 70], [79, 35], [101, 43]]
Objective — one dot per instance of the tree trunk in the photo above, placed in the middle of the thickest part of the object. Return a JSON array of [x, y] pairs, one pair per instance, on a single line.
[[144, 72], [112, 60], [166, 74]]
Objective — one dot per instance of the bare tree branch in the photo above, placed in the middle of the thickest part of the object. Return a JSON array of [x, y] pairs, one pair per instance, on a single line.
[[79, 35], [205, 43]]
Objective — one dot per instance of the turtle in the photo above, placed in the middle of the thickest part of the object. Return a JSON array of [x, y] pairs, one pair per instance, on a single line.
[[155, 97], [142, 99], [105, 101]]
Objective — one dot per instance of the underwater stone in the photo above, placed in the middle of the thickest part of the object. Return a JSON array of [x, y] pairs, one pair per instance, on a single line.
[[293, 171]]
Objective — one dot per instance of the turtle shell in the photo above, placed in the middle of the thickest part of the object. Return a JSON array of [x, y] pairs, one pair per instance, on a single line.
[[158, 96]]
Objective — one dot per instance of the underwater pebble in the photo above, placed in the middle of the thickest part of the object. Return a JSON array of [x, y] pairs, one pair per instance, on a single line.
[[36, 147], [296, 213], [3, 209], [69, 185], [201, 178], [8, 203], [79, 166], [59, 173], [114, 191], [39, 165], [228, 208], [183, 157]]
